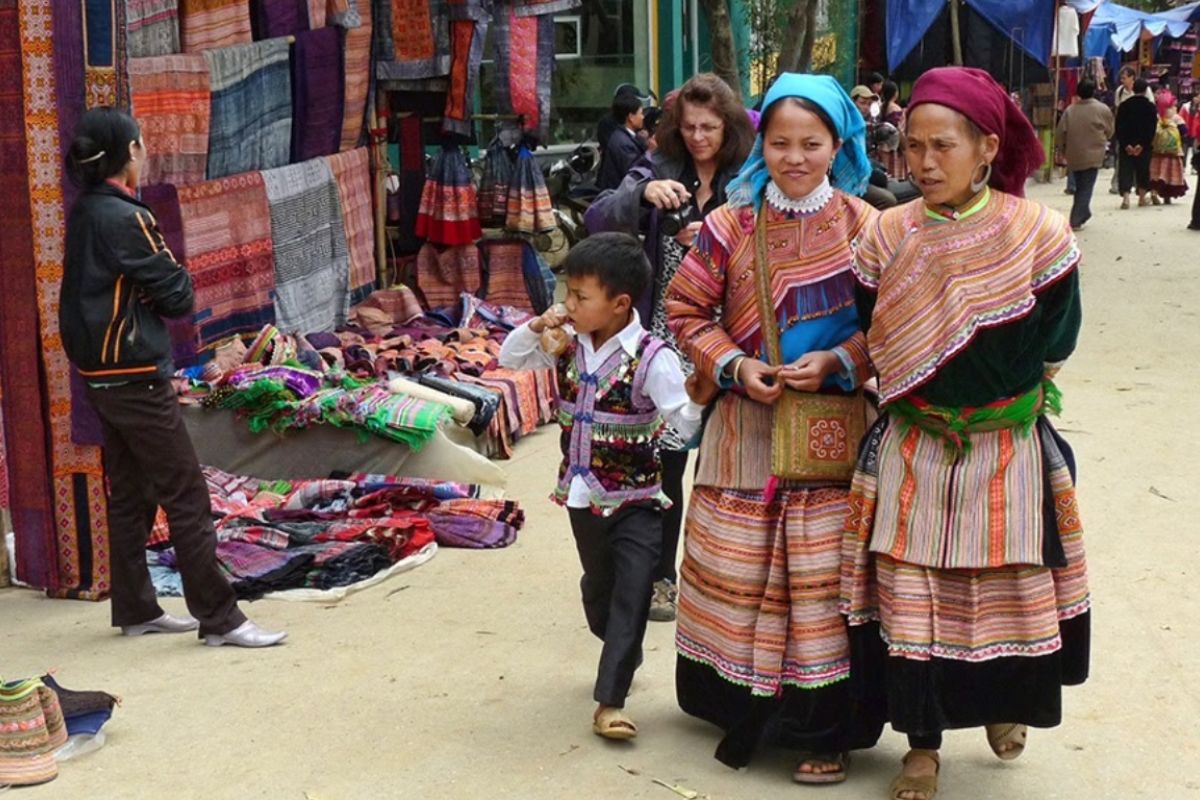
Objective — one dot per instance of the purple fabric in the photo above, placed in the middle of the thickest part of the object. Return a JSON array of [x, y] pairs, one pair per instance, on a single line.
[[976, 95], [453, 530], [163, 200], [318, 93], [271, 18]]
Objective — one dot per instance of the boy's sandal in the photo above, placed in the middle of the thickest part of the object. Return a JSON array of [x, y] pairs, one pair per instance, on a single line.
[[925, 786], [839, 760], [611, 723], [1007, 734]]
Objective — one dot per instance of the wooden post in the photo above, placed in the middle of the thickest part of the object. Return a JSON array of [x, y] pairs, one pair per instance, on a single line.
[[955, 34], [379, 152]]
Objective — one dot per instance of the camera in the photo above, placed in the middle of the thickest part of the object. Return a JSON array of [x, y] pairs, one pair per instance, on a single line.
[[672, 222]]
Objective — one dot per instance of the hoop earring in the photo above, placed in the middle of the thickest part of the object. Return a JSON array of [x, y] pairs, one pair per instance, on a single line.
[[979, 186]]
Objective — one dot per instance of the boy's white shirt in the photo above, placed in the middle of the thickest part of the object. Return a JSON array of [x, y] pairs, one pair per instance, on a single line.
[[522, 349]]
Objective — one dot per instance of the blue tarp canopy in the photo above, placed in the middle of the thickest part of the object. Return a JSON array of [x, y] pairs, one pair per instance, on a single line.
[[1028, 23], [1125, 25]]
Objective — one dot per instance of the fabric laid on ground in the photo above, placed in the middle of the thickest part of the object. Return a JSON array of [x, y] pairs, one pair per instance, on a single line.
[[153, 27], [357, 21], [209, 24], [318, 86], [171, 101], [311, 262], [227, 234], [352, 174], [449, 211], [253, 571], [412, 39], [251, 125]]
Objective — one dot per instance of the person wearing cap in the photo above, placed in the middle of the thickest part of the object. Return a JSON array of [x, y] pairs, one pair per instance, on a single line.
[[964, 578], [762, 649], [877, 192], [625, 144]]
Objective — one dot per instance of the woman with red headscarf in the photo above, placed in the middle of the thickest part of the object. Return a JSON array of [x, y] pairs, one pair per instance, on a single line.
[[1167, 179], [963, 576]]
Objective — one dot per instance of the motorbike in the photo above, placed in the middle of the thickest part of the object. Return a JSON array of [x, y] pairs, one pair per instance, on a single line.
[[571, 182]]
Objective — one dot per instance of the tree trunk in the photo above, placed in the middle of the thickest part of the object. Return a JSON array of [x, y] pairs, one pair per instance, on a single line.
[[795, 51], [724, 53]]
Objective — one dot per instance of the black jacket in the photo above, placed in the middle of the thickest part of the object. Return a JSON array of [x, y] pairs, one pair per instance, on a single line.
[[119, 280], [621, 151], [1137, 121]]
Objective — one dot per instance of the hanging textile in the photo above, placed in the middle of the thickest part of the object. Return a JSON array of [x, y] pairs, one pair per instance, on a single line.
[[153, 27], [208, 24], [1066, 33], [494, 184], [227, 236], [311, 264], [106, 82], [404, 205], [171, 103], [1028, 23], [907, 23], [349, 14], [504, 268], [25, 439], [316, 14], [412, 38], [539, 280], [529, 208], [74, 561], [272, 18], [443, 274], [449, 211], [352, 174], [536, 8], [163, 200], [251, 125], [525, 68], [318, 84], [358, 71], [468, 30]]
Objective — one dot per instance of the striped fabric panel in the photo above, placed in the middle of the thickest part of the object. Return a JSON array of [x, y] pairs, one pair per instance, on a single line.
[[759, 585], [966, 615], [718, 273], [209, 24], [735, 451], [352, 174], [981, 509], [357, 53], [153, 27], [251, 124], [171, 101], [990, 265]]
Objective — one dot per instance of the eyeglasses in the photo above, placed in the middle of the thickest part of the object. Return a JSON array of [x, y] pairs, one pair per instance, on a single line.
[[704, 131]]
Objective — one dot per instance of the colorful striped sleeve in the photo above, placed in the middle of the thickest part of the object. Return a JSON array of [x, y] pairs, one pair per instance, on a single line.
[[696, 294]]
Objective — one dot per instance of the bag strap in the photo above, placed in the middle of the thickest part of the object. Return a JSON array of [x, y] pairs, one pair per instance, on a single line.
[[768, 323]]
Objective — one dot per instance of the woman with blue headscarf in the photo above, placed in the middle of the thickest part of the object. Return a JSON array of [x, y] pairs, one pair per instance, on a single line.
[[763, 304]]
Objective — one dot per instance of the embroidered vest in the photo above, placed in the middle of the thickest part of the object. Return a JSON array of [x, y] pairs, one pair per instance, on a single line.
[[610, 429]]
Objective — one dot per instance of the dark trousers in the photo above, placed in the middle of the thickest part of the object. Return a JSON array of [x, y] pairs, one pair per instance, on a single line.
[[1085, 183], [1195, 224], [150, 462], [618, 555], [674, 465], [1134, 171]]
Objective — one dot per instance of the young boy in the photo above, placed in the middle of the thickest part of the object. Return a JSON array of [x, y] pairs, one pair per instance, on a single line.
[[617, 387]]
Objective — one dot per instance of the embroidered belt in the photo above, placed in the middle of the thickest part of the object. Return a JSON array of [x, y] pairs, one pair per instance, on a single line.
[[954, 424]]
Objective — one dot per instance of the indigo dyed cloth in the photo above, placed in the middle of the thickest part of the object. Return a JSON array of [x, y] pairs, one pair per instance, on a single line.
[[318, 94], [312, 268], [251, 123]]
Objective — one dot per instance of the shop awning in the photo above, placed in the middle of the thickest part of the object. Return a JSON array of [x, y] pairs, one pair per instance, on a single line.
[[1028, 23], [1126, 26]]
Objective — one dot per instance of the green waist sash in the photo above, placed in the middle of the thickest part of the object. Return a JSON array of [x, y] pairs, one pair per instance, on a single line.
[[954, 424]]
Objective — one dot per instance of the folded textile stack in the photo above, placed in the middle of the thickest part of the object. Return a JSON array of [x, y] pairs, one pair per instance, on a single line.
[[37, 716]]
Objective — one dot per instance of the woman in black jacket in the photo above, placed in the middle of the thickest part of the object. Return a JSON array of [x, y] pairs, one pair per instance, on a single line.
[[1137, 121], [119, 281]]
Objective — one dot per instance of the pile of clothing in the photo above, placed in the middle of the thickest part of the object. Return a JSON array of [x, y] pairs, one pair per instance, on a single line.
[[325, 534], [37, 718]]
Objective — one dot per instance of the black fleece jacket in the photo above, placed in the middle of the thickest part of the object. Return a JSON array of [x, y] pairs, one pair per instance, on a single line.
[[119, 280]]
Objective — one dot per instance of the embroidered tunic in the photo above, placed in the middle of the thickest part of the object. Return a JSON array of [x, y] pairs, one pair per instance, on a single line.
[[610, 429]]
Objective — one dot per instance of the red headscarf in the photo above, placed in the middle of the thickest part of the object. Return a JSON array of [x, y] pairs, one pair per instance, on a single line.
[[976, 95]]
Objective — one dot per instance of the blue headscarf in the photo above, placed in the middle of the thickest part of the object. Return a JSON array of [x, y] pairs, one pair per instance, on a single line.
[[851, 167]]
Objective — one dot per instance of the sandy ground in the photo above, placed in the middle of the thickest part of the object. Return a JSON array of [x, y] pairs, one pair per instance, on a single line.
[[471, 676]]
